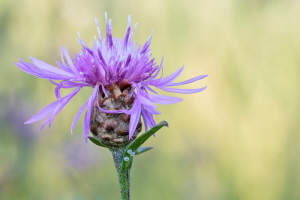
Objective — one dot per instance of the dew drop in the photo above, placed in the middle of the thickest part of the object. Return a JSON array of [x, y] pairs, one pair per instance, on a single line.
[[132, 154], [126, 159]]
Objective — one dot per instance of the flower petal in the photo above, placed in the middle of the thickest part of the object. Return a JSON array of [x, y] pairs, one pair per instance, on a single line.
[[49, 68], [144, 100], [134, 119], [52, 109], [62, 102], [43, 113], [148, 119], [158, 69], [31, 69], [69, 60], [150, 110], [183, 91], [167, 79], [162, 99], [87, 116], [86, 127], [78, 115], [187, 81]]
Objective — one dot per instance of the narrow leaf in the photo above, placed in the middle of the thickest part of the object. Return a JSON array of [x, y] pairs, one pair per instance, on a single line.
[[133, 147], [142, 150], [96, 142]]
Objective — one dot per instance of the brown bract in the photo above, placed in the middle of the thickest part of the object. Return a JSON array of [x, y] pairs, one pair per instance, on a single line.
[[113, 129]]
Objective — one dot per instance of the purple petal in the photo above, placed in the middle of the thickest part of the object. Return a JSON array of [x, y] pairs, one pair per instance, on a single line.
[[104, 90], [70, 84], [151, 110], [146, 45], [78, 115], [61, 103], [87, 116], [127, 33], [98, 30], [148, 119], [49, 68], [31, 69], [161, 99], [187, 81], [63, 66], [158, 69], [53, 108], [134, 119], [147, 87], [86, 127], [183, 91], [163, 81], [144, 100], [109, 38], [44, 123], [69, 60], [57, 90], [43, 113]]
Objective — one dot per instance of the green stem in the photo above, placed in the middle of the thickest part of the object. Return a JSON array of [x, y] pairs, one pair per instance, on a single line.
[[123, 175]]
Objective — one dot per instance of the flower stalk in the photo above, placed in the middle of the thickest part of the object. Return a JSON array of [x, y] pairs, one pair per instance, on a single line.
[[123, 157], [123, 174]]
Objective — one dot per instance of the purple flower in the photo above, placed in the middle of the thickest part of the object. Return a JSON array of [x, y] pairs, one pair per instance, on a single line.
[[109, 60]]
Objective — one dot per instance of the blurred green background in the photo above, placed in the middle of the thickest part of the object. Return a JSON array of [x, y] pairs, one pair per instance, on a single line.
[[238, 139]]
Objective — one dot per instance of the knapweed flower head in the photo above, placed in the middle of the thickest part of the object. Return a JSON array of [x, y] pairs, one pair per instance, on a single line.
[[124, 79]]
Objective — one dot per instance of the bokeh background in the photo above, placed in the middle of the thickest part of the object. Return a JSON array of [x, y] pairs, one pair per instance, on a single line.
[[238, 139]]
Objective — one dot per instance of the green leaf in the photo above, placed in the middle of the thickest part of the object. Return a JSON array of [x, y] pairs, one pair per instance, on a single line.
[[96, 142], [133, 147], [143, 138], [142, 150]]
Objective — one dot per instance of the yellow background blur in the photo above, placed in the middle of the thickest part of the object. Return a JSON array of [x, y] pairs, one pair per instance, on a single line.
[[238, 139]]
